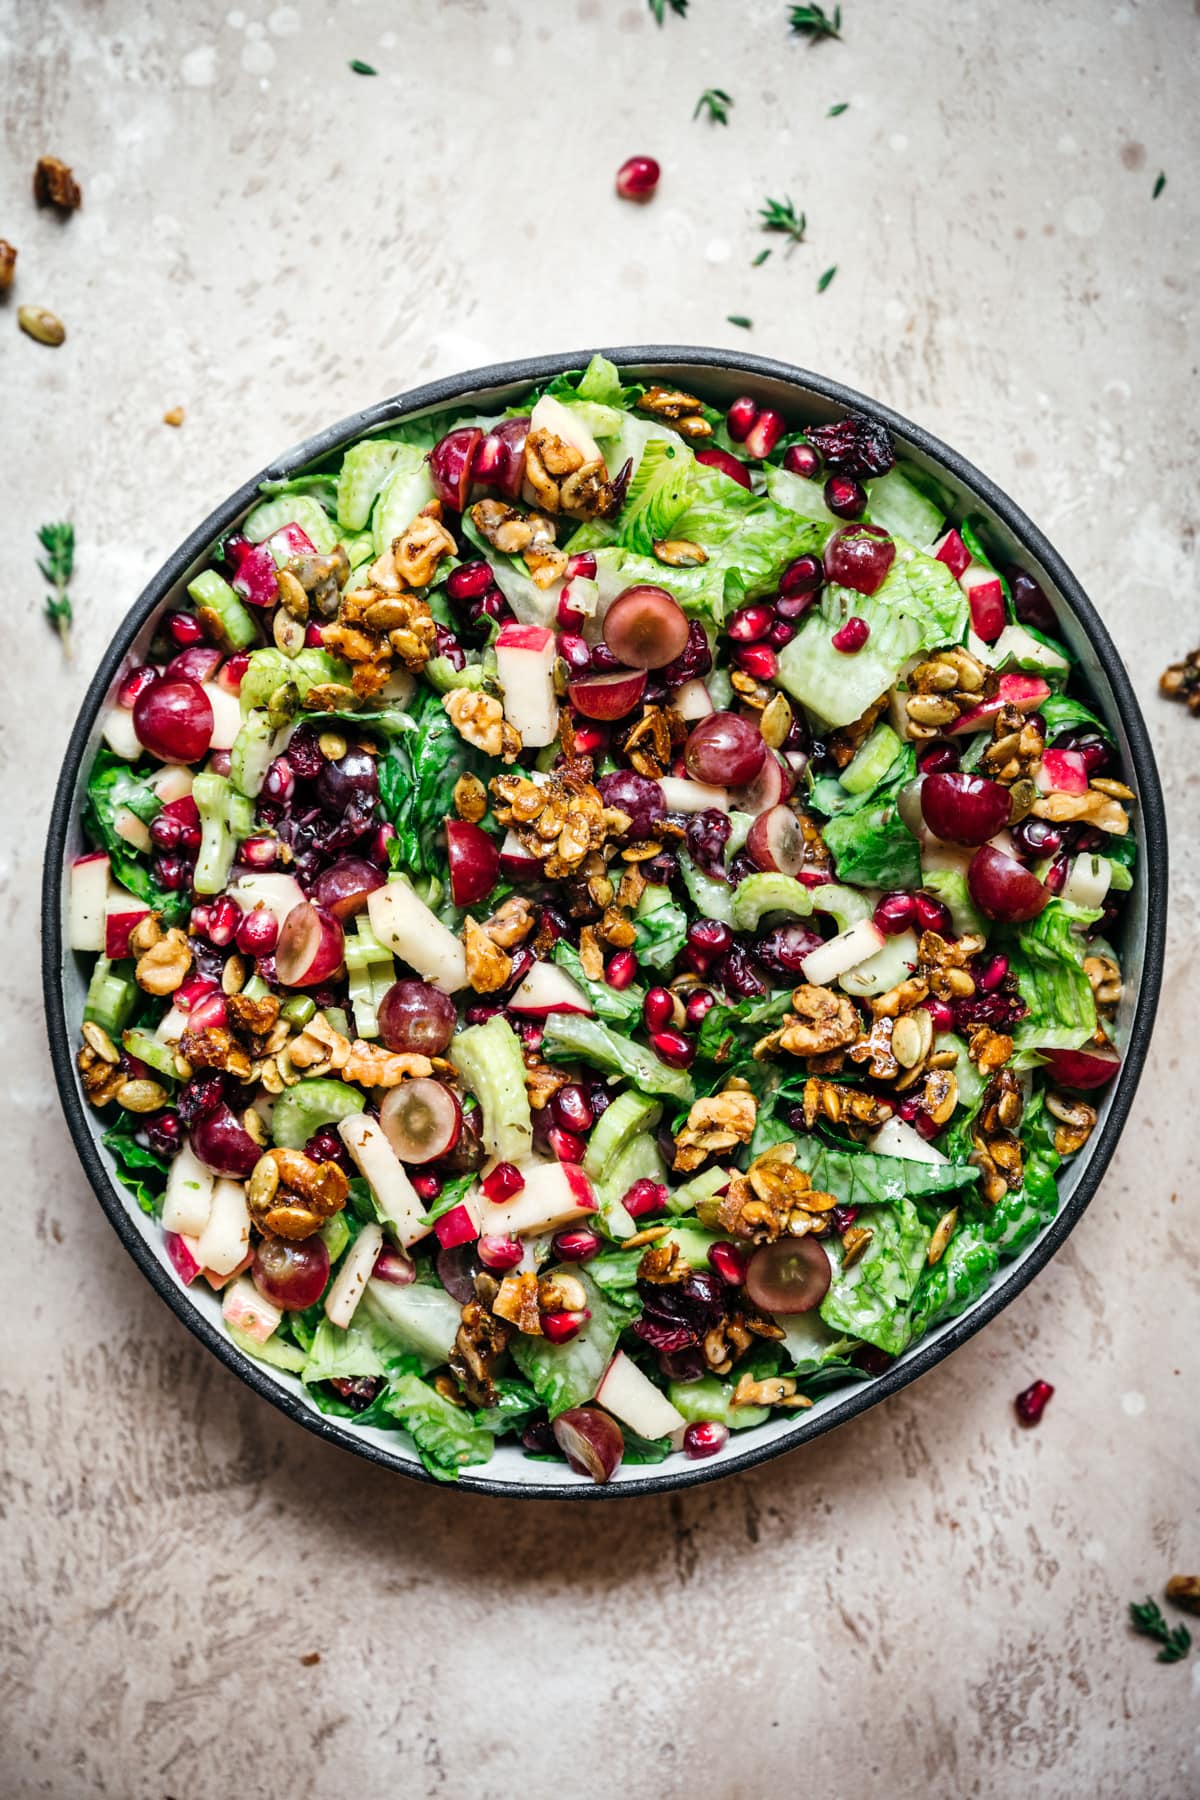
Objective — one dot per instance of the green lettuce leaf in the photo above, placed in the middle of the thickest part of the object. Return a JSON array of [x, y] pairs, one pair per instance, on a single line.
[[870, 1299], [336, 1354], [1062, 712], [621, 1006], [658, 495], [112, 784], [725, 1030], [1047, 961], [446, 1436], [861, 1178], [569, 1037], [869, 841], [139, 1169], [516, 1404], [660, 934], [416, 783], [565, 1375]]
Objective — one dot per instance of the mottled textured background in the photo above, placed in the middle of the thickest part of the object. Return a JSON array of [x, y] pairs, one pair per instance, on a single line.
[[929, 1602]]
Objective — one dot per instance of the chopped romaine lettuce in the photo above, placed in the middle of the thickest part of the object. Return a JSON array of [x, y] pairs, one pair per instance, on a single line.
[[565, 1375], [1047, 961], [570, 1037], [870, 1298], [446, 1436], [622, 1005]]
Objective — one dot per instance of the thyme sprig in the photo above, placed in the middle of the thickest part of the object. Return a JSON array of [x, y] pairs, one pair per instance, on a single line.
[[718, 103], [814, 23], [1148, 1619], [659, 7], [58, 541], [781, 215]]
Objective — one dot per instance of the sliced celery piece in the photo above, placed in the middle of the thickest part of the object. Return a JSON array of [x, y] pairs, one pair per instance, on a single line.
[[111, 998], [223, 611]]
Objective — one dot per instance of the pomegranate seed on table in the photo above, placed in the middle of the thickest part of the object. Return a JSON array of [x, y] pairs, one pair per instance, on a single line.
[[802, 459], [638, 178], [851, 637], [578, 1245], [749, 623], [499, 1253], [1030, 1403], [758, 660], [645, 1196], [740, 418], [764, 434], [622, 969], [658, 1008], [845, 497], [704, 1437], [502, 1182], [727, 1261], [672, 1048]]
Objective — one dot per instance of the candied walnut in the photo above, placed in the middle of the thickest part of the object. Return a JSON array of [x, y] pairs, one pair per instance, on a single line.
[[216, 1048], [512, 923], [663, 1263], [633, 886], [822, 1021], [8, 264], [470, 799], [616, 929], [989, 1050], [509, 530], [875, 1048], [488, 966], [479, 1345], [855, 1239], [941, 689], [421, 546], [670, 403], [1097, 807], [1076, 1121], [254, 1021], [943, 1231], [591, 957], [772, 1390], [943, 965], [320, 1050], [479, 720], [99, 1064], [517, 1301], [291, 1195], [1016, 748], [840, 1104], [1104, 979], [542, 1083], [679, 553], [717, 1122], [55, 185]]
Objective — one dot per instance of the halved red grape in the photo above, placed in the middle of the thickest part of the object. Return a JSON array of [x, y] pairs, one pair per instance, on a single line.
[[592, 1441], [450, 463], [859, 557], [1003, 889], [311, 946], [776, 841], [789, 1276], [725, 750], [1081, 1068], [223, 1144], [174, 720], [344, 888], [199, 662], [416, 1017], [421, 1120], [474, 862], [645, 628], [770, 786], [608, 696], [499, 460], [964, 809], [291, 1273]]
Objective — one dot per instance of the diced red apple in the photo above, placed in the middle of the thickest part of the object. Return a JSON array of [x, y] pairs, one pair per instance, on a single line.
[[172, 782], [951, 550], [217, 1280], [402, 922], [225, 1238], [548, 989], [256, 580], [87, 901], [1081, 1068], [349, 1284], [118, 733], [633, 1398], [458, 1226], [681, 795], [122, 912], [692, 700], [554, 1194], [250, 1312], [181, 1250], [1062, 772], [278, 893], [525, 657], [188, 1202], [474, 862], [985, 596], [1088, 881], [128, 826], [376, 1162], [843, 952], [608, 696], [1025, 692], [227, 715], [895, 1138], [516, 864], [1015, 644]]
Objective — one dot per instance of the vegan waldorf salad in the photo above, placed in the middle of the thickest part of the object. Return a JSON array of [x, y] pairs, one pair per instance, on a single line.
[[602, 922]]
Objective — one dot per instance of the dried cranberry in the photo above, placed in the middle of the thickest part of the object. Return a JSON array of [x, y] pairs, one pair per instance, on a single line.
[[707, 836], [999, 1010], [200, 1096], [739, 974], [325, 1146], [163, 1131], [875, 1362], [358, 1391], [678, 1316], [304, 753], [683, 1365], [538, 1438], [1030, 1404], [783, 949], [743, 864], [855, 446], [693, 660], [661, 869]]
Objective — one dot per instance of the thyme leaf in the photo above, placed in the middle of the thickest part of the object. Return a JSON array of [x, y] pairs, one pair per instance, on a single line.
[[659, 7], [718, 103], [826, 278], [58, 542], [1159, 185], [781, 215], [739, 319], [1148, 1619], [361, 68], [814, 23]]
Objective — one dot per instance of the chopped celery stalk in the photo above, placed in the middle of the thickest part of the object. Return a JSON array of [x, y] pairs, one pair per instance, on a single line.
[[269, 669], [710, 1399], [148, 1049], [364, 470], [407, 489], [492, 1066], [712, 899], [685, 1199], [371, 973], [653, 896], [740, 824], [335, 1234], [275, 1351], [843, 904], [360, 549], [569, 1036], [903, 510], [873, 760], [270, 516], [257, 989], [768, 893], [694, 1244], [225, 816], [298, 1010], [252, 754], [304, 1108], [337, 1018], [222, 611], [111, 998], [628, 1117]]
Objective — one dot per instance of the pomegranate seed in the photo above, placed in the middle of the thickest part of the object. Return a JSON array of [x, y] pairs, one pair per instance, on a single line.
[[314, 637], [622, 969], [802, 459], [164, 1132], [279, 782], [938, 759], [1031, 1402], [259, 853], [712, 458], [577, 1246], [895, 912], [325, 1146], [208, 1014], [672, 1048], [570, 617], [582, 567], [589, 737], [645, 1196], [932, 915], [704, 1437], [711, 937], [560, 1327], [568, 1146], [502, 1182], [425, 1186], [166, 831], [658, 1008], [852, 636], [941, 1012], [224, 918], [637, 178], [191, 990], [749, 623], [1055, 877], [728, 1262], [258, 932], [184, 629], [925, 1127], [740, 418], [220, 762], [571, 1108], [698, 1004], [470, 581], [782, 632], [993, 974], [764, 434], [845, 497], [234, 668], [575, 653], [758, 660], [843, 1217], [499, 1252], [135, 683], [603, 660], [804, 576]]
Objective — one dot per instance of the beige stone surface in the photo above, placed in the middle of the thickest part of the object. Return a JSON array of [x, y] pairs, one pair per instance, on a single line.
[[930, 1601]]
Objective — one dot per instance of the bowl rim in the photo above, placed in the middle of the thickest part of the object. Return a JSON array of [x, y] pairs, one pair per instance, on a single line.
[[446, 391]]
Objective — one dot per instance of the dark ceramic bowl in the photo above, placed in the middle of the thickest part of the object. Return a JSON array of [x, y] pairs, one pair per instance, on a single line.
[[802, 398]]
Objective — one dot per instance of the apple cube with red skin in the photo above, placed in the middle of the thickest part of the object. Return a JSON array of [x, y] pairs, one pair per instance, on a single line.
[[525, 656], [1025, 692], [87, 902], [548, 989], [516, 864], [217, 1281], [1062, 772], [554, 1194], [985, 596], [457, 1226], [633, 1398], [181, 1250], [951, 550], [1082, 1069], [122, 912], [249, 1312]]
